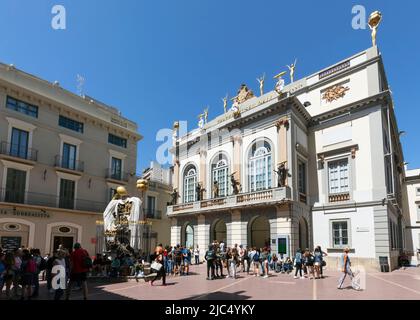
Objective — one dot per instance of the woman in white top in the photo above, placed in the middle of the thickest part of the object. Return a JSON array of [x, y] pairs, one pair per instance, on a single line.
[[197, 255]]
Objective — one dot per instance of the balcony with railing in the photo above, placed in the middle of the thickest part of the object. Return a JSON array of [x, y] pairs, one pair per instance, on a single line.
[[257, 198], [18, 152], [153, 213], [51, 201], [116, 176], [338, 197], [69, 164]]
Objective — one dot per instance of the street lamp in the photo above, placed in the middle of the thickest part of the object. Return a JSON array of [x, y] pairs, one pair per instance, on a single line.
[[143, 185]]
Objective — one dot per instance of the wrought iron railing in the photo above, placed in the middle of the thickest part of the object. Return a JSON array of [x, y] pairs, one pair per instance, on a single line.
[[70, 164], [48, 200], [18, 151], [153, 213], [115, 175]]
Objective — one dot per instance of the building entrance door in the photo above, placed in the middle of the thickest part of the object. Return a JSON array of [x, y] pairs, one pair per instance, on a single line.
[[65, 242], [259, 233]]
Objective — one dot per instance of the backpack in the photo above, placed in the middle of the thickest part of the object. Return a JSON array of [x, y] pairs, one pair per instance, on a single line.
[[210, 255], [87, 261], [42, 264], [256, 257], [30, 266]]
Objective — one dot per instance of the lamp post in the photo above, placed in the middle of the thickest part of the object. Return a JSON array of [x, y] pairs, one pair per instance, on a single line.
[[142, 186]]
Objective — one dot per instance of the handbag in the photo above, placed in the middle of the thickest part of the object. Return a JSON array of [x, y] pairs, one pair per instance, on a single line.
[[156, 266], [323, 263]]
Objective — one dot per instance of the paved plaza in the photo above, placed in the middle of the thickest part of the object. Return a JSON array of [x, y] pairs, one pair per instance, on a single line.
[[400, 284]]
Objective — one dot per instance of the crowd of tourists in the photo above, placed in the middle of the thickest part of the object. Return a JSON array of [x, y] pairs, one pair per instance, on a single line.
[[261, 262], [22, 268]]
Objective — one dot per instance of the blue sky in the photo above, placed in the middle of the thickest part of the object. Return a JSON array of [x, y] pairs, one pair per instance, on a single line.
[[165, 60]]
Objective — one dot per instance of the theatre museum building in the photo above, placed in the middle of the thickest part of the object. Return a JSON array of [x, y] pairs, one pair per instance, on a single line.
[[315, 162]]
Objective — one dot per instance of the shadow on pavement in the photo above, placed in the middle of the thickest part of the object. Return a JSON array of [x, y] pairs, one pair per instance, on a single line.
[[238, 295]]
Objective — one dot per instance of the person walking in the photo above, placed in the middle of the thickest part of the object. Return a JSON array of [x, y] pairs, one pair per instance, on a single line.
[[346, 270], [210, 257], [80, 263], [197, 255], [298, 263], [158, 262]]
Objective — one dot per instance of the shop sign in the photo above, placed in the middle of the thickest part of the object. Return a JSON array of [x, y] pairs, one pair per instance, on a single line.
[[25, 213]]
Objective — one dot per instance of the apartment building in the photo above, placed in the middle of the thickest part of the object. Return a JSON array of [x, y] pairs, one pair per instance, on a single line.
[[61, 158], [156, 200]]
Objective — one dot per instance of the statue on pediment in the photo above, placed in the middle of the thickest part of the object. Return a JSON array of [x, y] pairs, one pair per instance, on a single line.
[[244, 94], [280, 82], [261, 83]]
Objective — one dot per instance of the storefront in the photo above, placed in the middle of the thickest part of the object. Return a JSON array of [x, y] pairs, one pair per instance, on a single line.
[[46, 228]]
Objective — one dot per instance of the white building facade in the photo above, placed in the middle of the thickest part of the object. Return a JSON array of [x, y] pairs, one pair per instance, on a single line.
[[336, 134], [412, 183]]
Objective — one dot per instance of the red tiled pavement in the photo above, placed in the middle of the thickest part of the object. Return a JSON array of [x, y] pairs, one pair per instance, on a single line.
[[400, 284]]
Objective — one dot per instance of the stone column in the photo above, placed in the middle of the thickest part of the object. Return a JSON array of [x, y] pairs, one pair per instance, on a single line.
[[203, 235], [236, 230], [237, 144], [282, 127], [203, 172], [175, 232], [176, 175]]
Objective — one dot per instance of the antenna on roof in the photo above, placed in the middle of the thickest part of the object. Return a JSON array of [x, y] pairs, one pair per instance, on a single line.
[[80, 83]]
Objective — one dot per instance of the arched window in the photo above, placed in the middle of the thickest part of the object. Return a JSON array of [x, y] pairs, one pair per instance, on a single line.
[[189, 236], [259, 166], [220, 173], [190, 180]]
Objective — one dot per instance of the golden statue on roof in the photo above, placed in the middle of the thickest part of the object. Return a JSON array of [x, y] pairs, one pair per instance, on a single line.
[[375, 19]]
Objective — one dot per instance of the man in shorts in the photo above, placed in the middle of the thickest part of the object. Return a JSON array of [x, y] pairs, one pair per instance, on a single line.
[[78, 270]]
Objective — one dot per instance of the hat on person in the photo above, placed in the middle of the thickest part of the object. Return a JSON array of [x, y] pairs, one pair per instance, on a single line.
[[77, 245], [346, 249]]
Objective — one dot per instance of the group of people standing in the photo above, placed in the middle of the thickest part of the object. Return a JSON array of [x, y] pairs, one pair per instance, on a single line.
[[20, 271], [311, 263]]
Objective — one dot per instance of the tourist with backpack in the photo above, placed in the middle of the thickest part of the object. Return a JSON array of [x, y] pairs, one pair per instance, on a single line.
[[210, 257], [40, 266], [28, 271], [308, 260], [48, 271], [255, 258], [298, 260], [80, 263]]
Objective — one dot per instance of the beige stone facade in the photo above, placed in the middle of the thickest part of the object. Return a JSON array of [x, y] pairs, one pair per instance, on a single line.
[[61, 156]]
